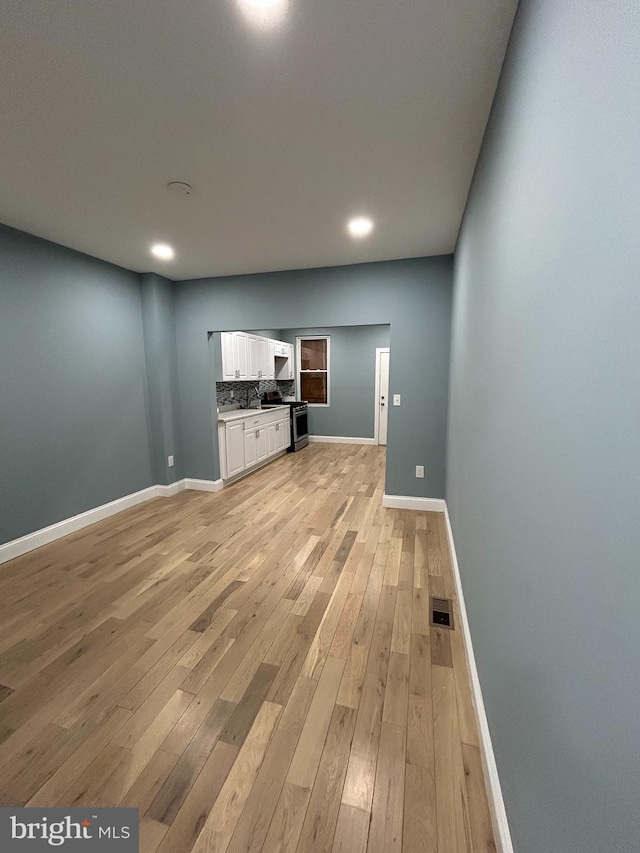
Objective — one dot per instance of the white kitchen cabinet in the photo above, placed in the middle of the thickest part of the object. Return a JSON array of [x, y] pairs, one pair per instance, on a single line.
[[281, 437], [255, 444], [272, 440], [261, 443], [254, 357], [248, 440], [283, 434], [250, 447], [284, 363], [258, 358], [278, 436], [251, 358], [290, 362], [234, 449], [242, 354], [271, 359], [235, 356], [228, 346]]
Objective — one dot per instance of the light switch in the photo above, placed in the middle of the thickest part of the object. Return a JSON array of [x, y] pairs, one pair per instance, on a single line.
[[396, 399], [170, 462]]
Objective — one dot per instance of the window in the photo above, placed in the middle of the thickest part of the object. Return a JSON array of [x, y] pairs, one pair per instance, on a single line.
[[313, 369]]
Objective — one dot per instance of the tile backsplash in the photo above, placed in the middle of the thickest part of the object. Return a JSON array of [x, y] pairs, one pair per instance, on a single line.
[[243, 392]]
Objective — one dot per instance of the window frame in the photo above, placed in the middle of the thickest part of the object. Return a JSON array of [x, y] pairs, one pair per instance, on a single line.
[[300, 371]]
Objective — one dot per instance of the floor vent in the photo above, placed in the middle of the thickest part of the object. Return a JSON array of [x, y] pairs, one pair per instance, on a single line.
[[441, 612]]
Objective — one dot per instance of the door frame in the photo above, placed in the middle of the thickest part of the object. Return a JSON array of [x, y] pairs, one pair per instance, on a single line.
[[376, 426]]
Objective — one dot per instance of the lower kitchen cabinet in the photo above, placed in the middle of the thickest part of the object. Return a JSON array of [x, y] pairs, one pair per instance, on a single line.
[[278, 437], [272, 439], [249, 441], [235, 448], [283, 430], [255, 445], [261, 443], [250, 448]]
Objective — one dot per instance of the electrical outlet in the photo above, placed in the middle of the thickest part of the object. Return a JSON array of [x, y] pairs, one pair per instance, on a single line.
[[420, 471], [170, 461], [396, 399], [232, 394]]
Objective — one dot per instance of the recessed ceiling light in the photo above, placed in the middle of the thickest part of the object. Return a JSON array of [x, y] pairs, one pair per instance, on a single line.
[[360, 226], [264, 14], [162, 251], [263, 4]]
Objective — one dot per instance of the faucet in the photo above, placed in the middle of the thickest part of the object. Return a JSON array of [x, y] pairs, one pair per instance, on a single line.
[[257, 397]]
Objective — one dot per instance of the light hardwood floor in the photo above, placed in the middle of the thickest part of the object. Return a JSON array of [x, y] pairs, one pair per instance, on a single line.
[[253, 669]]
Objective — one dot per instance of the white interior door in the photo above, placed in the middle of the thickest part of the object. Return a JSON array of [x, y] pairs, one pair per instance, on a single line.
[[382, 394]]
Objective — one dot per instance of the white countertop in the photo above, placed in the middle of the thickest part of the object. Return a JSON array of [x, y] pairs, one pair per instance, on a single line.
[[238, 414]]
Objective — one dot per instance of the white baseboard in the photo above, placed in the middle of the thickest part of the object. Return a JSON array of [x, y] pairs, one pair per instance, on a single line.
[[408, 502], [170, 490], [203, 485], [18, 547], [491, 778], [340, 439]]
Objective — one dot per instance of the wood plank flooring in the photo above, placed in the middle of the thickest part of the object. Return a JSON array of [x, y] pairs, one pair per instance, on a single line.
[[253, 669]]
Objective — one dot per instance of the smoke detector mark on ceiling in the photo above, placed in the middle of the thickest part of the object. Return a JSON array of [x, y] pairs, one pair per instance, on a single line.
[[179, 188]]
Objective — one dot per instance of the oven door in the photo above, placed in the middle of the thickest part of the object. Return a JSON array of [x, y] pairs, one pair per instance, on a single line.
[[300, 428]]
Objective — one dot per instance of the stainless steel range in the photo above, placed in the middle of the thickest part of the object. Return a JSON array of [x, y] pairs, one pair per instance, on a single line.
[[299, 413]]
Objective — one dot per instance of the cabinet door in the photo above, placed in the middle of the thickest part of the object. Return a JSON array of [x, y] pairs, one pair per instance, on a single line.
[[271, 359], [255, 357], [284, 434], [263, 349], [250, 448], [258, 358], [290, 361], [261, 443], [235, 449], [228, 351], [242, 355], [272, 439], [234, 352]]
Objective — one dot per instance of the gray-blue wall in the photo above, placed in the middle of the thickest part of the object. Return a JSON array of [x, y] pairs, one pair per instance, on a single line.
[[73, 387], [96, 394], [413, 296], [543, 478], [352, 401], [158, 317]]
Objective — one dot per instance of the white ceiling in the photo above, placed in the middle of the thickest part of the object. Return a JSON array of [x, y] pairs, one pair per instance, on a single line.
[[347, 107]]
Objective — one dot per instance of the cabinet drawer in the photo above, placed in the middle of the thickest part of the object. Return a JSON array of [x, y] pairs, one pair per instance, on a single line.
[[264, 418]]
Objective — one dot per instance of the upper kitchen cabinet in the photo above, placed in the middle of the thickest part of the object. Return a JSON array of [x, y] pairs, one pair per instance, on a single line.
[[234, 356], [259, 358], [272, 346], [284, 366], [252, 358]]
